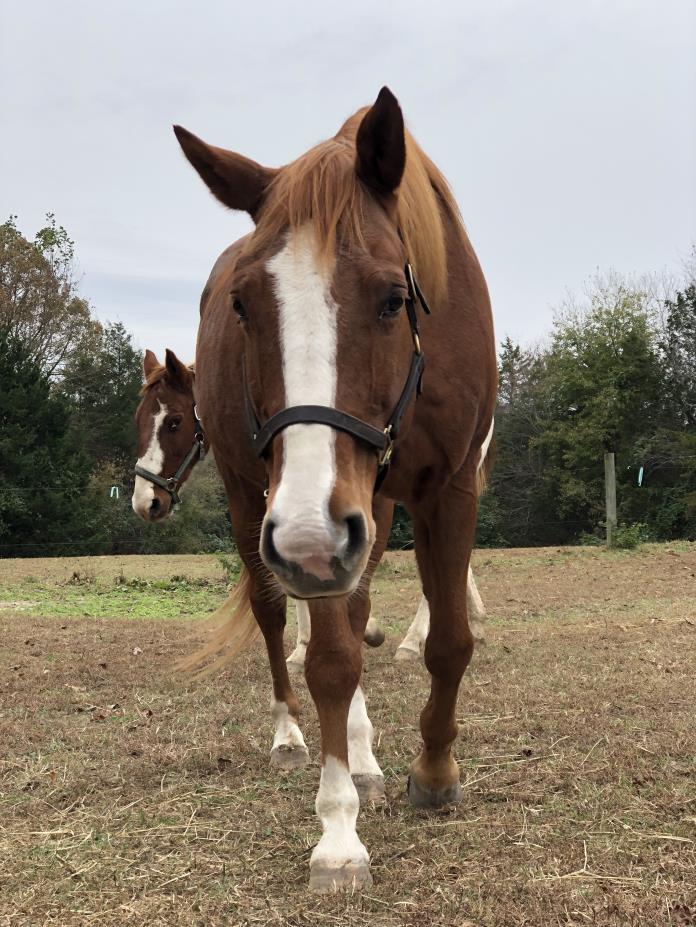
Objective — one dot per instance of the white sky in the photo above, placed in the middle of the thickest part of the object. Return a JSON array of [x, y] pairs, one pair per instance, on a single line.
[[568, 131]]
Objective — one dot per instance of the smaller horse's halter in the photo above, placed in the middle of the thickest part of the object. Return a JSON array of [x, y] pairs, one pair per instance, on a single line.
[[382, 440], [172, 484]]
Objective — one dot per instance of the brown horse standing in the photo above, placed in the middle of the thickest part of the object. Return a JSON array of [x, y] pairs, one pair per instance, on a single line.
[[309, 345]]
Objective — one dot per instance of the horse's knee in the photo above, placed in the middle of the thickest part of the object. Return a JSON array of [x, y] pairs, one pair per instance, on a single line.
[[447, 656]]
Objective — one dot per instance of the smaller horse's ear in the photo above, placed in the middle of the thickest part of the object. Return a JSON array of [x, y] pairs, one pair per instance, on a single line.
[[381, 145], [236, 181], [178, 373], [150, 363]]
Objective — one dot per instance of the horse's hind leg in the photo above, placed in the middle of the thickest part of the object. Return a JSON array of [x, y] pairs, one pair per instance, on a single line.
[[295, 661], [289, 750], [444, 534], [410, 646], [476, 609]]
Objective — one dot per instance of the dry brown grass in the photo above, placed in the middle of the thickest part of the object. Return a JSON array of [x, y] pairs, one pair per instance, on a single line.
[[125, 799]]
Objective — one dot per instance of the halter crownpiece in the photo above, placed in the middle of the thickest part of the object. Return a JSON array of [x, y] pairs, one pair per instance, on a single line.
[[172, 484], [382, 440]]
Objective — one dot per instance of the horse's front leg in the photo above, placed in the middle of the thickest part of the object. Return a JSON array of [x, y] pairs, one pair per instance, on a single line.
[[332, 669], [444, 534]]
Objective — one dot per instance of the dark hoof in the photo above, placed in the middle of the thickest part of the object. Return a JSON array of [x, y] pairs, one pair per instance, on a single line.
[[369, 787], [351, 876], [374, 638], [286, 757], [421, 797]]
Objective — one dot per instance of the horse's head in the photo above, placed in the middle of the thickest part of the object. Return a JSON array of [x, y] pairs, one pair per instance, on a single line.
[[320, 291], [169, 436]]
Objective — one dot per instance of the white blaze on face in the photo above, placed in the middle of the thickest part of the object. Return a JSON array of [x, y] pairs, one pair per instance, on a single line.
[[304, 531], [152, 460]]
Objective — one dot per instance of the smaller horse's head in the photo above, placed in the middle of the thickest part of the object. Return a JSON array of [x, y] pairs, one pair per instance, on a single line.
[[168, 433], [320, 290]]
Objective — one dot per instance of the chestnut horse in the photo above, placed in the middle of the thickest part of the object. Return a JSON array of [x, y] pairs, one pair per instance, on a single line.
[[171, 441], [310, 347]]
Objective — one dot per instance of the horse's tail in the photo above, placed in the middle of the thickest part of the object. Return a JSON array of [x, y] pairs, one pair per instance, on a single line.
[[485, 467], [233, 628]]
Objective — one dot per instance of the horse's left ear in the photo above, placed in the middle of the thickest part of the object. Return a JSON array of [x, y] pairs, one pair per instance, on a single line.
[[381, 145], [177, 372]]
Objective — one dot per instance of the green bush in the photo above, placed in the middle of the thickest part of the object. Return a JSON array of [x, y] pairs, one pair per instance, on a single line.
[[627, 537]]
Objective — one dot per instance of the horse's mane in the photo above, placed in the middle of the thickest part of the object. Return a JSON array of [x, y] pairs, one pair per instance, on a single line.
[[160, 373], [322, 188]]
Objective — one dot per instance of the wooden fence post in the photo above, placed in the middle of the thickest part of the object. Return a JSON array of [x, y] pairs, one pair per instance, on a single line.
[[610, 495]]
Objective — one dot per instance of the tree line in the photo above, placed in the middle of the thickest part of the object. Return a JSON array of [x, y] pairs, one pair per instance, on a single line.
[[618, 372]]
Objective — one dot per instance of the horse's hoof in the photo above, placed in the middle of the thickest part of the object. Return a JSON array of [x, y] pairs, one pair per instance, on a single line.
[[369, 787], [294, 668], [351, 876], [406, 654], [421, 797], [289, 757], [374, 638]]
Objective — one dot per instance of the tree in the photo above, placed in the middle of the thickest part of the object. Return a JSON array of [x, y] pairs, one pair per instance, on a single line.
[[103, 378], [39, 303], [44, 471]]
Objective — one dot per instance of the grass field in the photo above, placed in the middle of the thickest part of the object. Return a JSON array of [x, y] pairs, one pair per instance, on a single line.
[[127, 797]]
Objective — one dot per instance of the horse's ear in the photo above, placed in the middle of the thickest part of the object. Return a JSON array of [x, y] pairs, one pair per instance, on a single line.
[[381, 145], [150, 363], [236, 181], [177, 372]]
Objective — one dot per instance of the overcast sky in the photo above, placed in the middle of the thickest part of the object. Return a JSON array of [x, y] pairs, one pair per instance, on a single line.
[[568, 131]]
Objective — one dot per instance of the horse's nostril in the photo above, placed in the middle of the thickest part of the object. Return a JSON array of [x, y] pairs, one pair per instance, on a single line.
[[357, 535], [155, 507]]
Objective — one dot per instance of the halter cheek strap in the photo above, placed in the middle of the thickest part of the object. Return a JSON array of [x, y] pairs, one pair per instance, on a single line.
[[381, 439], [172, 484]]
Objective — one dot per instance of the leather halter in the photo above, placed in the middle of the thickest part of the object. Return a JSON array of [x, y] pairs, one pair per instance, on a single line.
[[172, 484], [380, 439]]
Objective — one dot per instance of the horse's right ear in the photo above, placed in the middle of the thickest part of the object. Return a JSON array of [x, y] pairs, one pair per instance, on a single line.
[[236, 181], [150, 363]]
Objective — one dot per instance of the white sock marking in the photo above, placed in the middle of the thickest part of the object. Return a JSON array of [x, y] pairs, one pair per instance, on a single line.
[[287, 733], [304, 630], [153, 460], [361, 759], [337, 807], [304, 528]]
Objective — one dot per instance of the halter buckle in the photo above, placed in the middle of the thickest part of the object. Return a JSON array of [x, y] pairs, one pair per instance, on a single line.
[[386, 455]]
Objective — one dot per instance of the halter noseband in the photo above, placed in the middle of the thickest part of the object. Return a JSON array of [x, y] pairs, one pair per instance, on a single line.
[[382, 440], [172, 484]]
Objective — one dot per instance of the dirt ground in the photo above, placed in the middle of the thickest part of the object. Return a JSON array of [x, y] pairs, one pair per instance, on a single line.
[[127, 797]]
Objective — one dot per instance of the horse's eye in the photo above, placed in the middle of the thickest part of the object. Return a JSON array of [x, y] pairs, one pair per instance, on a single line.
[[392, 306], [174, 424], [238, 307]]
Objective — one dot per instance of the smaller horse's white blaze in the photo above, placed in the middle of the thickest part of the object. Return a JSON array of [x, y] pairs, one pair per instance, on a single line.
[[361, 759], [152, 460], [287, 733], [337, 807], [304, 632]]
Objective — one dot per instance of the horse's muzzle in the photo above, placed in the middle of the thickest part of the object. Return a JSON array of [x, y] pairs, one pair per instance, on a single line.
[[311, 563]]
